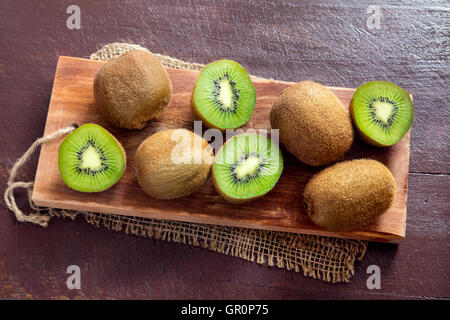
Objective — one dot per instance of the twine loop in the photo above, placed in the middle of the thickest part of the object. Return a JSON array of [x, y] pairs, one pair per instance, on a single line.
[[9, 197]]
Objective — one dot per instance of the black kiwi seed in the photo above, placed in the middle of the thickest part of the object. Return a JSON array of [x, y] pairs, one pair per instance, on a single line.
[[382, 112], [247, 167], [373, 110], [248, 177], [224, 96], [234, 90]]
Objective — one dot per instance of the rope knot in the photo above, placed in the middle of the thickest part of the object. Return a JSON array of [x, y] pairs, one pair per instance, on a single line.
[[10, 200]]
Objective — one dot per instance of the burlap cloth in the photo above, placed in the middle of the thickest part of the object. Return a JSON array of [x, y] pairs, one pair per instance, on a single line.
[[325, 258]]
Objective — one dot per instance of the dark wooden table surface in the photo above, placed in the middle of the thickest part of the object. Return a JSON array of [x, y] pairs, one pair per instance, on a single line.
[[328, 42]]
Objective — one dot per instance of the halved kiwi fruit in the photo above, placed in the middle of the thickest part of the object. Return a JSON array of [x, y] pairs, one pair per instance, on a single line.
[[90, 159], [382, 112], [246, 167], [224, 96]]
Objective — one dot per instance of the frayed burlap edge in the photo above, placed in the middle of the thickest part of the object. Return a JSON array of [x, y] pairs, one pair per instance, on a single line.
[[325, 258], [113, 50]]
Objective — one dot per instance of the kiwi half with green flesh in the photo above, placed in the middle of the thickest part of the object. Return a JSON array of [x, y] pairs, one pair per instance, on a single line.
[[90, 159], [350, 194], [382, 112], [224, 96], [246, 167], [173, 163], [132, 89]]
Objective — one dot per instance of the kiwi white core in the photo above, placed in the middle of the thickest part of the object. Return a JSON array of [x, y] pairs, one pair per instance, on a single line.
[[90, 159], [248, 167], [383, 110], [225, 94]]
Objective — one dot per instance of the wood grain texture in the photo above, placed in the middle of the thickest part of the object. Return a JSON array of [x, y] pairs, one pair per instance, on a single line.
[[326, 41], [72, 101]]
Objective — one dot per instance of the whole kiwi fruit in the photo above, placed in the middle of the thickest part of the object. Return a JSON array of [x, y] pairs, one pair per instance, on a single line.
[[313, 124], [349, 195], [173, 163], [132, 89]]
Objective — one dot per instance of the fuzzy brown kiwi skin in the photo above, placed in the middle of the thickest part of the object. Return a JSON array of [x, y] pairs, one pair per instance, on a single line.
[[313, 124], [159, 177], [132, 89], [349, 195]]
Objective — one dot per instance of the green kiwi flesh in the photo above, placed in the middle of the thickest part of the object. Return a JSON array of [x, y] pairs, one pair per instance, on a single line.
[[224, 96], [349, 195], [246, 167], [90, 159], [382, 112]]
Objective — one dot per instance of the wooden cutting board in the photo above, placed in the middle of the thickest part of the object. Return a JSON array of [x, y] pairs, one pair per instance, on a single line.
[[72, 101]]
